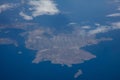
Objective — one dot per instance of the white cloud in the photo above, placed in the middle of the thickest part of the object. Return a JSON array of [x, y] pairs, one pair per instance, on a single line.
[[117, 1], [116, 25], [72, 23], [118, 8], [6, 6], [25, 16], [86, 27], [103, 29], [43, 7], [114, 15], [100, 29]]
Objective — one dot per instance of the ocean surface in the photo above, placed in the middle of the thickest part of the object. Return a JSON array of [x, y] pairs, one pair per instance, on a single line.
[[105, 66], [14, 66]]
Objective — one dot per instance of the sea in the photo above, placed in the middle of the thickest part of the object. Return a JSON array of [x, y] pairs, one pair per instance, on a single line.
[[106, 65]]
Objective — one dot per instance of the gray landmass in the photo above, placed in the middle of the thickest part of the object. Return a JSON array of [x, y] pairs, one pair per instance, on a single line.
[[4, 41], [63, 48], [63, 56], [78, 73]]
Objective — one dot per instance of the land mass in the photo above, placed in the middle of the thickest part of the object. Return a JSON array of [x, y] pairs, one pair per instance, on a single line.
[[63, 48]]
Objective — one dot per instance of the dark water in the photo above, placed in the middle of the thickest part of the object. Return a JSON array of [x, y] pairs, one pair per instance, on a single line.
[[106, 66], [19, 67]]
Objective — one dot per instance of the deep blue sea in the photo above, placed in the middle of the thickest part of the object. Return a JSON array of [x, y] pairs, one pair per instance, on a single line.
[[106, 66]]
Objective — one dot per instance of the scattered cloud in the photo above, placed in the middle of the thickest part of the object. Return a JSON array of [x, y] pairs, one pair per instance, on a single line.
[[86, 27], [116, 25], [25, 16], [72, 23], [114, 15], [43, 7], [103, 29], [117, 1], [6, 6], [118, 8], [40, 7]]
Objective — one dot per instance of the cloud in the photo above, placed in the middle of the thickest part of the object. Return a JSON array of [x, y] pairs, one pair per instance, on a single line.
[[72, 23], [118, 8], [43, 7], [6, 6], [116, 25], [117, 1], [103, 29], [86, 27], [114, 15], [25, 16]]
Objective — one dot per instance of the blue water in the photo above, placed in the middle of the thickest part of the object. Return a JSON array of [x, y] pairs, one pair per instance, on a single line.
[[19, 67], [106, 66]]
